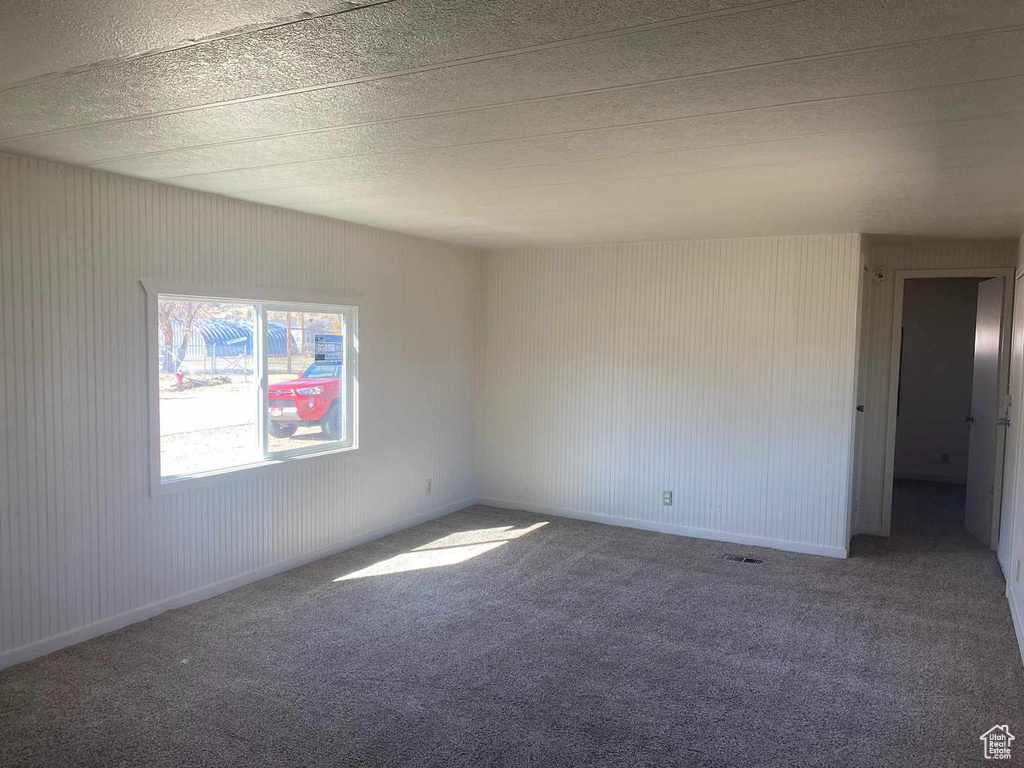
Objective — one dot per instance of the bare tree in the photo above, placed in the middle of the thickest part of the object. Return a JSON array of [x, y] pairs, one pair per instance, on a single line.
[[188, 313]]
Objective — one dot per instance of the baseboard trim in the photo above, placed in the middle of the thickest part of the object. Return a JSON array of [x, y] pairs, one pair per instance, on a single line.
[[103, 626], [679, 530], [1018, 629]]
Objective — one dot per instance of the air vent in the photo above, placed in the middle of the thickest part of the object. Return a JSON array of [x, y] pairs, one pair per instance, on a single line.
[[741, 559]]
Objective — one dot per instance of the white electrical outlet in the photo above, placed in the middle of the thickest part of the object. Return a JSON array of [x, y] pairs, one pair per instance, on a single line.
[[666, 498], [429, 484]]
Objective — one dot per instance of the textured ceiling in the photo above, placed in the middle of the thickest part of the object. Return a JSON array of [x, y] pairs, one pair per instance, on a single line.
[[520, 122]]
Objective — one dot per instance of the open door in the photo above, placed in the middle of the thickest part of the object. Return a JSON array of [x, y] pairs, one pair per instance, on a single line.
[[984, 416], [1013, 431]]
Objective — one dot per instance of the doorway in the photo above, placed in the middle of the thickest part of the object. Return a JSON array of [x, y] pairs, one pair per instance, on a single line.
[[948, 403]]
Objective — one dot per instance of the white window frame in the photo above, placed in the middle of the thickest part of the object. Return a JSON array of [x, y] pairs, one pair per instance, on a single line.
[[263, 300]]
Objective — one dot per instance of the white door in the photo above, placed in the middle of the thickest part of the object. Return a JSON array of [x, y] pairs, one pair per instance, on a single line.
[[981, 461], [1013, 432]]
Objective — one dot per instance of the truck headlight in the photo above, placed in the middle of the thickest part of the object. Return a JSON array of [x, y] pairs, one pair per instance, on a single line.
[[310, 390]]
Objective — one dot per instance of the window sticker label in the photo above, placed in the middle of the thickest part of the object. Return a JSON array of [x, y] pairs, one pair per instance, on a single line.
[[328, 349]]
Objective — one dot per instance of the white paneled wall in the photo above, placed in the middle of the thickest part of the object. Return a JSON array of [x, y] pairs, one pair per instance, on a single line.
[[1013, 504], [720, 370], [581, 381], [890, 254], [82, 546]]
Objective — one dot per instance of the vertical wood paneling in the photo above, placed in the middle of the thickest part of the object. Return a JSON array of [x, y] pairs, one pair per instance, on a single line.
[[80, 540], [722, 370], [1015, 478], [892, 254]]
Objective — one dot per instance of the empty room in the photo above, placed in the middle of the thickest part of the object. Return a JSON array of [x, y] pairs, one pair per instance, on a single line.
[[511, 383]]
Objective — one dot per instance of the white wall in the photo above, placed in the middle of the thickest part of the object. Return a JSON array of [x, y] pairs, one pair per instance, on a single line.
[[1013, 504], [939, 318], [890, 254], [722, 370], [82, 546]]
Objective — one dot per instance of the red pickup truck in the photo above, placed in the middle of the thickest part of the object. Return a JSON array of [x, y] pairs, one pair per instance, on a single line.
[[312, 399]]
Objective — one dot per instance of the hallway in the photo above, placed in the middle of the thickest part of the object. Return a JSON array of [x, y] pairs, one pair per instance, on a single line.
[[929, 510]]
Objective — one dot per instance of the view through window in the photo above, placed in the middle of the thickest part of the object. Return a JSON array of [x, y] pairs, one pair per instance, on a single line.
[[241, 382], [305, 396]]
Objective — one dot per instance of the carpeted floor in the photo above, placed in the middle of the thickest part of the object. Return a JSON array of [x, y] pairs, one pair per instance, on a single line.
[[929, 509], [565, 644]]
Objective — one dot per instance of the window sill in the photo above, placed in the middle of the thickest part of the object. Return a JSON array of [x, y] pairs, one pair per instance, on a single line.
[[243, 472]]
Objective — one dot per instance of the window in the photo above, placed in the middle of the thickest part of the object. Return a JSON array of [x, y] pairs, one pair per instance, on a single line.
[[240, 383]]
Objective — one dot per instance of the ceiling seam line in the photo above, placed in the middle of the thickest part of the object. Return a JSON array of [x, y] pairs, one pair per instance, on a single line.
[[497, 105], [506, 53], [792, 137], [99, 66], [752, 166], [451, 65], [767, 107], [711, 170]]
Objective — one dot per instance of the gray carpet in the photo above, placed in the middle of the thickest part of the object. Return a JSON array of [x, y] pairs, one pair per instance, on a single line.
[[575, 644], [933, 510]]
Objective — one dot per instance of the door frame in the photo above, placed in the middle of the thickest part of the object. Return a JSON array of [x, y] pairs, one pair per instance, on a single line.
[[1005, 327], [1009, 506]]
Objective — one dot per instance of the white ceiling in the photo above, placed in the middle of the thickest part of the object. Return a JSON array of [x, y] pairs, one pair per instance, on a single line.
[[515, 122]]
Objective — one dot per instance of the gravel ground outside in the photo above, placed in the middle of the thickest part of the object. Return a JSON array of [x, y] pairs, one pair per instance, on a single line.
[[214, 427]]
